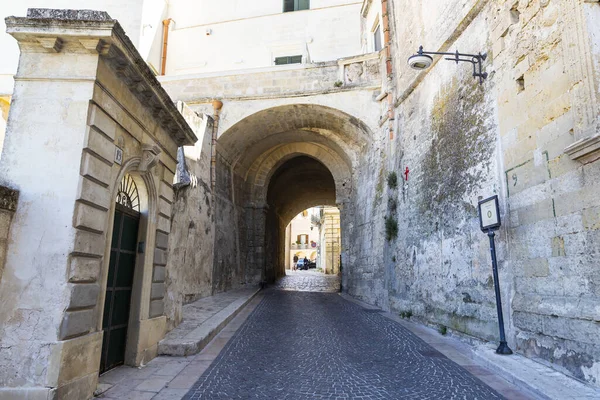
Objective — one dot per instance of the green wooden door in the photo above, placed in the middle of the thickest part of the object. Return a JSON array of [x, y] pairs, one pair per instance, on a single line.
[[118, 287]]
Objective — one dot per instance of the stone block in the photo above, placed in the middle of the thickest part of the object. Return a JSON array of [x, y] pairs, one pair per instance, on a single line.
[[498, 47], [91, 218], [558, 246], [537, 212], [89, 243], [157, 291], [94, 168], [5, 219], [76, 323], [28, 393], [74, 359], [166, 192], [160, 257], [157, 308], [101, 145], [101, 121], [164, 207], [82, 388], [591, 218], [84, 269], [159, 274], [162, 240], [164, 224], [92, 192], [168, 176], [3, 248], [151, 331], [532, 267], [83, 295]]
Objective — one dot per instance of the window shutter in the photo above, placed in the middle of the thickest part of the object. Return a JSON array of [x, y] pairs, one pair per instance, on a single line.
[[296, 60], [377, 39], [303, 4], [288, 5]]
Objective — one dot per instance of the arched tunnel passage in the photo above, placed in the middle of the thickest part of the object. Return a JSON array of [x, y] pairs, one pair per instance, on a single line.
[[271, 165], [299, 183]]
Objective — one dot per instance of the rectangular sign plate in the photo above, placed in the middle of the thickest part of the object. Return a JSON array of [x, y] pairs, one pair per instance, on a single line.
[[118, 155], [489, 214]]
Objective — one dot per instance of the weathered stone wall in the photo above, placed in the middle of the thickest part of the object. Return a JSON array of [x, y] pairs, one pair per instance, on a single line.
[[240, 252], [77, 100], [227, 272], [274, 82], [191, 251], [547, 99], [463, 141]]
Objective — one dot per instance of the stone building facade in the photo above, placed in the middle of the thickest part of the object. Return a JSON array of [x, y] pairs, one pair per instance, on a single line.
[[90, 132], [529, 133]]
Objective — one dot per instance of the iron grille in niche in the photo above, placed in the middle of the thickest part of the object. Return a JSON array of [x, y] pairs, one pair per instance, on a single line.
[[127, 195]]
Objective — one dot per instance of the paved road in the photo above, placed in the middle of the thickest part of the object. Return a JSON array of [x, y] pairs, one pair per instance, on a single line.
[[308, 281], [303, 345]]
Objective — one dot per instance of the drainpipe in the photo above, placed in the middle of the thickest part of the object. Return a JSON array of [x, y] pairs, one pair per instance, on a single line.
[[163, 60], [388, 62], [217, 105]]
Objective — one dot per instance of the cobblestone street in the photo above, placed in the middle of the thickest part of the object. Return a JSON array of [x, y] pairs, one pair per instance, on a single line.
[[298, 345], [308, 281]]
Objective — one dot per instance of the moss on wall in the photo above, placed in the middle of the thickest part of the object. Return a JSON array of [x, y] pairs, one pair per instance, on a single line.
[[461, 151]]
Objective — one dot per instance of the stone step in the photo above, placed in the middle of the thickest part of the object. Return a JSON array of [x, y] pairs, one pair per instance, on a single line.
[[541, 379], [203, 320]]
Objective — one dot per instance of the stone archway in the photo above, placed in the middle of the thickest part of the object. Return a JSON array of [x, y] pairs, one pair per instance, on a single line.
[[252, 157]]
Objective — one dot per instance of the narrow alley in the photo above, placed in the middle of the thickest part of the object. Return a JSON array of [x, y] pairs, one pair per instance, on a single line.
[[301, 339]]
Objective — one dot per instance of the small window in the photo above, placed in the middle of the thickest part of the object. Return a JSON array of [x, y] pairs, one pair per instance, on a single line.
[[377, 38], [295, 5], [302, 239], [288, 60]]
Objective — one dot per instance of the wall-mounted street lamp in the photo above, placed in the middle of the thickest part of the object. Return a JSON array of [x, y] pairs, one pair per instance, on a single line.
[[422, 60]]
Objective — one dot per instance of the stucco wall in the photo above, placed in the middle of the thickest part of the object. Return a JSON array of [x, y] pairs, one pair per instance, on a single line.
[[250, 34]]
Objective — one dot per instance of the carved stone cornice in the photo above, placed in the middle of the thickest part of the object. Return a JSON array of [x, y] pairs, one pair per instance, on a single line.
[[364, 10], [585, 150], [85, 31], [150, 156]]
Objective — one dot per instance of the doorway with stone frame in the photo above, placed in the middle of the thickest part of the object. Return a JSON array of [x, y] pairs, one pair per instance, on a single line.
[[119, 284]]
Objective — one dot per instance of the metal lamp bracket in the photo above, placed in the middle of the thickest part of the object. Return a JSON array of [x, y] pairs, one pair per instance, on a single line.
[[475, 59]]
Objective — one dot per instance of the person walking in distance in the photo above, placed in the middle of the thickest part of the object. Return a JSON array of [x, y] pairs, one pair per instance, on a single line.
[[295, 267]]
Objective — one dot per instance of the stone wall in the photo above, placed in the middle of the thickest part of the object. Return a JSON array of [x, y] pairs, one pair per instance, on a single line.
[[191, 251], [526, 134], [276, 82], [73, 134]]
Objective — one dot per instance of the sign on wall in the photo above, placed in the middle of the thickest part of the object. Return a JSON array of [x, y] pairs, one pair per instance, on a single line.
[[489, 214], [118, 155]]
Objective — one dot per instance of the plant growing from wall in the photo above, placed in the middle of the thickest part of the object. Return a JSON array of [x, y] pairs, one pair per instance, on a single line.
[[442, 330], [392, 205], [392, 180], [338, 83], [391, 228]]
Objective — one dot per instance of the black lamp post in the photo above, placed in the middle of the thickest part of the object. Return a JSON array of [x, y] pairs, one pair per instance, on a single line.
[[489, 221], [423, 60]]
